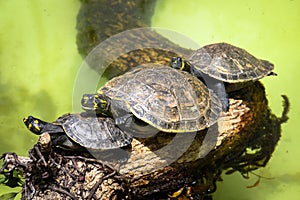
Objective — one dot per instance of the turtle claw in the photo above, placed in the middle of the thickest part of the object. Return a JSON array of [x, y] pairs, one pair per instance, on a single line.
[[225, 104], [125, 120]]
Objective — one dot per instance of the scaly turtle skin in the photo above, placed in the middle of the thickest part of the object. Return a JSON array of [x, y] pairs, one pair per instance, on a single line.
[[226, 63], [167, 99], [72, 131]]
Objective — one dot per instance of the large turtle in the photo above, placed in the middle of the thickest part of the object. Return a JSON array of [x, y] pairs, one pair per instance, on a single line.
[[75, 131], [222, 62], [165, 98]]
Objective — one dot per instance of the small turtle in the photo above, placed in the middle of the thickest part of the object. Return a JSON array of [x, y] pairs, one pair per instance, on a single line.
[[74, 131], [167, 99], [222, 62]]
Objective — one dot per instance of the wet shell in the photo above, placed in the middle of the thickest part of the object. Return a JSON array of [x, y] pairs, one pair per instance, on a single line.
[[228, 63], [168, 99], [94, 132]]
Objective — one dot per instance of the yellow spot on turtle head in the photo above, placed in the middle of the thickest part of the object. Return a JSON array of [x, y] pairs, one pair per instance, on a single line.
[[185, 65], [182, 65], [95, 105], [37, 125], [103, 103]]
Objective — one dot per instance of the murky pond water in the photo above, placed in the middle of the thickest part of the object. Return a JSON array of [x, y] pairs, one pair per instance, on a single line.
[[39, 62]]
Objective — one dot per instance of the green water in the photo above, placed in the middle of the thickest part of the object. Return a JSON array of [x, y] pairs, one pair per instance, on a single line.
[[269, 30], [39, 62]]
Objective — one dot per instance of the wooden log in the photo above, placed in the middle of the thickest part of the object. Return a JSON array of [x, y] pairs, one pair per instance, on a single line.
[[152, 173]]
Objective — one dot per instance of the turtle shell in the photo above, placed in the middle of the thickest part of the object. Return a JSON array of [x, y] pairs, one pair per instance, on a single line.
[[228, 63], [168, 99], [93, 132]]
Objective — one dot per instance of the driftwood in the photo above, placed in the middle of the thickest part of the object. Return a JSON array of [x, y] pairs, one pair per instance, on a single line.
[[151, 174]]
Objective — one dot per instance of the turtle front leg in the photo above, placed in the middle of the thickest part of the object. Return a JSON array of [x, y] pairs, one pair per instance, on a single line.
[[221, 93], [62, 141], [135, 126], [217, 87]]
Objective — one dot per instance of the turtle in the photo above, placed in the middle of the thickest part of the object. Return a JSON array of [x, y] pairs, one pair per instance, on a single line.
[[82, 130], [222, 64], [167, 99]]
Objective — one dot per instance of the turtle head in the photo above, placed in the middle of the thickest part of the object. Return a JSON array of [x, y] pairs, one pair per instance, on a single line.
[[34, 125], [95, 102], [179, 63]]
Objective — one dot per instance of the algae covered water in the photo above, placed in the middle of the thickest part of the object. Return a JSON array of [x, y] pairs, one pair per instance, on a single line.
[[269, 30], [39, 62]]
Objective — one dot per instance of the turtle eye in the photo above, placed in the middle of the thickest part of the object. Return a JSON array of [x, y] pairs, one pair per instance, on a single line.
[[84, 100], [177, 63]]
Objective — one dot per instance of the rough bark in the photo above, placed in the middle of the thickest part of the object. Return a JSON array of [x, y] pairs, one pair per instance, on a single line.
[[148, 174]]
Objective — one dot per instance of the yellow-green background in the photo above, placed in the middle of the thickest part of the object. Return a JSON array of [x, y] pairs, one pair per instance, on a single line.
[[39, 62]]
